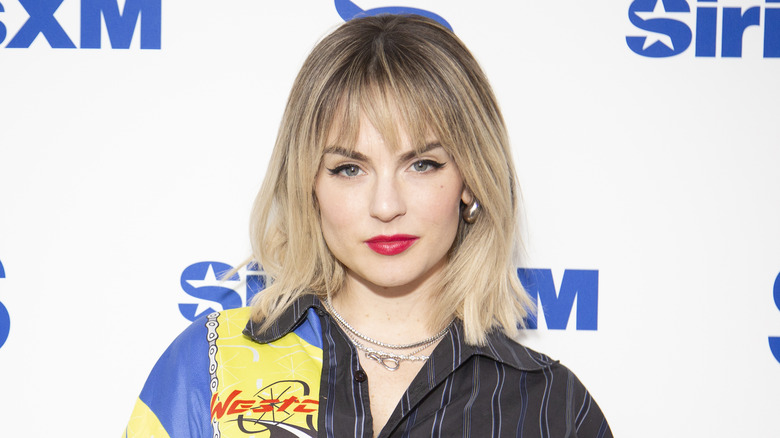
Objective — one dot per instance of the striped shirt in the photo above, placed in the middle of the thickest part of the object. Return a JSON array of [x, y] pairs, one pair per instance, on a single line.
[[302, 377], [500, 390]]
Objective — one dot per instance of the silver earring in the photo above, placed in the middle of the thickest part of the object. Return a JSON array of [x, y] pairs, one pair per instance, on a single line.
[[471, 212]]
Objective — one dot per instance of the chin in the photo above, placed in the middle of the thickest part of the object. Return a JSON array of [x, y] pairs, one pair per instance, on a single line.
[[394, 278], [387, 283]]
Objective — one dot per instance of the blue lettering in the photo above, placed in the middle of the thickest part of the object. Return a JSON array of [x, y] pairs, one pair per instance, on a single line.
[[41, 21], [582, 284], [120, 26], [5, 318], [204, 280], [772, 32], [678, 32], [734, 25], [348, 10], [651, 16], [706, 30], [774, 342], [3, 31], [5, 324]]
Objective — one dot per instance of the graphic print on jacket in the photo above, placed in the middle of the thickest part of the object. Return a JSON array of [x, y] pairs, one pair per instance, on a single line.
[[215, 381]]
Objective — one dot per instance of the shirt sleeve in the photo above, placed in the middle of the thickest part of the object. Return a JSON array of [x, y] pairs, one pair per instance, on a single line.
[[589, 421], [174, 402]]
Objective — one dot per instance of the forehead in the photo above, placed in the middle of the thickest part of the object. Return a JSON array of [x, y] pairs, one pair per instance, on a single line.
[[371, 114], [394, 136]]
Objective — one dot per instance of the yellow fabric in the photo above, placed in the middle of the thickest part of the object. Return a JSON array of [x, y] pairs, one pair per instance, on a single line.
[[263, 386], [144, 424]]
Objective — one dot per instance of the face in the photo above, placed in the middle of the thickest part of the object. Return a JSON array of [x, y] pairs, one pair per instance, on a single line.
[[389, 217]]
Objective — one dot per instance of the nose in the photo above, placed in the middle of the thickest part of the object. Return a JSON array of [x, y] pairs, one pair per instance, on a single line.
[[387, 200]]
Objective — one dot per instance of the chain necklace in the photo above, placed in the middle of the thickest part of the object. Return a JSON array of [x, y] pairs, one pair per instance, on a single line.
[[346, 325], [391, 361]]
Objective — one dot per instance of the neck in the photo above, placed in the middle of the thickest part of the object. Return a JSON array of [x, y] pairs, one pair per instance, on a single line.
[[393, 315]]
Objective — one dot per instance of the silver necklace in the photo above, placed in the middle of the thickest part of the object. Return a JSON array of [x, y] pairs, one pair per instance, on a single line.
[[346, 325], [391, 361]]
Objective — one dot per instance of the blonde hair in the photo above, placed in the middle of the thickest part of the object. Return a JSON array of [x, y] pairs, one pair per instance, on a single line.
[[392, 67]]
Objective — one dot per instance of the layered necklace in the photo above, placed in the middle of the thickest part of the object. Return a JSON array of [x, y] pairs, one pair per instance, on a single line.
[[391, 361]]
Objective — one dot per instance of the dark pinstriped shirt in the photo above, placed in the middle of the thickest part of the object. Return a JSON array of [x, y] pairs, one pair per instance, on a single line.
[[500, 390]]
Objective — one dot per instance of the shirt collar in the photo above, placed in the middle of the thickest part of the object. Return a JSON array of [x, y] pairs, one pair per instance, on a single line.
[[498, 347], [289, 319], [502, 349]]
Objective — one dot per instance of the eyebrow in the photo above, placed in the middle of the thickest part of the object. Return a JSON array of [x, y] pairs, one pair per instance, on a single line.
[[338, 150], [428, 147], [355, 155]]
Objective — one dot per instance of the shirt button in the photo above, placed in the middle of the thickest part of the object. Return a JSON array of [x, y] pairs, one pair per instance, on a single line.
[[320, 312], [360, 376]]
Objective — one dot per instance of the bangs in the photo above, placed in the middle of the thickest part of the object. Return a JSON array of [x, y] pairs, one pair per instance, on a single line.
[[396, 101]]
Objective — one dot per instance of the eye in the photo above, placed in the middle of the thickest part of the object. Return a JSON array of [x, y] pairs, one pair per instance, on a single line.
[[348, 170], [426, 166]]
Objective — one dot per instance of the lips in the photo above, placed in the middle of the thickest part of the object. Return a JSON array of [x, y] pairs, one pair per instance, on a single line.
[[391, 245]]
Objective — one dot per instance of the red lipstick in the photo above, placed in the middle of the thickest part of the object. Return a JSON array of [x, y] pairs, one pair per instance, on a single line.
[[391, 245]]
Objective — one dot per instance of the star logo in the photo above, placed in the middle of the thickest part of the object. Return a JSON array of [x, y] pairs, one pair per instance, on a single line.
[[206, 282], [210, 279], [659, 11], [663, 22]]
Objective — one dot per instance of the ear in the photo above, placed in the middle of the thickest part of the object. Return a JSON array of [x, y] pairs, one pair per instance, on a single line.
[[466, 197]]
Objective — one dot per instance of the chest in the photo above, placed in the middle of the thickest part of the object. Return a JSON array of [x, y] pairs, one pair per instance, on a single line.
[[386, 387], [328, 390], [479, 398]]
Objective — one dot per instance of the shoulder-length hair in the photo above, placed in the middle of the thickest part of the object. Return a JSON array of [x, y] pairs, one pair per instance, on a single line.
[[395, 69]]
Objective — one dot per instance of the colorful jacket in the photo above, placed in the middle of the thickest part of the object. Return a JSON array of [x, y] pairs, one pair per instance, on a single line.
[[222, 377]]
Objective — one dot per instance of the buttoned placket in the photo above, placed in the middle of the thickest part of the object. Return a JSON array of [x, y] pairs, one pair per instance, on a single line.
[[347, 383], [445, 358], [428, 377]]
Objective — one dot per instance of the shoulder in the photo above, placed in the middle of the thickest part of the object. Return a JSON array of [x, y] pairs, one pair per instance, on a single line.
[[510, 352], [180, 380], [187, 354], [558, 391]]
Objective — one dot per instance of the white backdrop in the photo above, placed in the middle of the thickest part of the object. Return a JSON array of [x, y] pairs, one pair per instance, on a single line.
[[120, 168]]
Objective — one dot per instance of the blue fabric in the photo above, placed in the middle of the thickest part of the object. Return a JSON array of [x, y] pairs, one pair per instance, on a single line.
[[311, 329], [179, 382]]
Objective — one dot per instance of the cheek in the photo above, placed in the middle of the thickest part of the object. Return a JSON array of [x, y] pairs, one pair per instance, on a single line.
[[440, 206], [334, 221], [336, 215]]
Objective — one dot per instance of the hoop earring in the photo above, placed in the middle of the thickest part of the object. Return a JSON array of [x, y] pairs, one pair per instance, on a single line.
[[471, 212]]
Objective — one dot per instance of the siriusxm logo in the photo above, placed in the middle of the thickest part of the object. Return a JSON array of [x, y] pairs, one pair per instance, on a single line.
[[5, 319], [208, 282], [214, 291], [120, 26], [348, 10], [667, 27], [774, 341], [556, 307]]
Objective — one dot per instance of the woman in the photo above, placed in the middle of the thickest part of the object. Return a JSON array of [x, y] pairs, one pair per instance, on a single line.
[[386, 223]]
